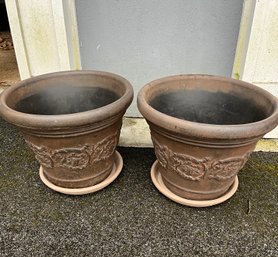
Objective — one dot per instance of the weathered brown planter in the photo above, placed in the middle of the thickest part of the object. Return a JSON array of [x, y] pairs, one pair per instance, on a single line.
[[72, 121], [204, 128]]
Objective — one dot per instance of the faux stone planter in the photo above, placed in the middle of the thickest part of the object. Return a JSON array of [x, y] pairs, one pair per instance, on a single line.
[[71, 120], [204, 128]]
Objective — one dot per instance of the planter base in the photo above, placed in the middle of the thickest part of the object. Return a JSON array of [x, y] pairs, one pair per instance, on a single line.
[[159, 184], [86, 190]]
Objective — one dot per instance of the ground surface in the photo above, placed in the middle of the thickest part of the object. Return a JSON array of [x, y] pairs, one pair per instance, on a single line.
[[130, 217], [9, 74]]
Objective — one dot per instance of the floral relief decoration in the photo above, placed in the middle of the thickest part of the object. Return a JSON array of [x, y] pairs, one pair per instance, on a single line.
[[195, 169], [75, 158]]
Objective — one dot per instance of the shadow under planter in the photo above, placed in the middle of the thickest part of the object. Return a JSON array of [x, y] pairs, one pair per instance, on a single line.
[[72, 121], [204, 128]]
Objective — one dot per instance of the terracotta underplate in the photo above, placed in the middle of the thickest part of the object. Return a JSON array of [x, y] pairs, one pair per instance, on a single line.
[[158, 182], [86, 190]]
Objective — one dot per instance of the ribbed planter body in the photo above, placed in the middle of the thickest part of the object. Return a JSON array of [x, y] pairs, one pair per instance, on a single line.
[[204, 128], [71, 120]]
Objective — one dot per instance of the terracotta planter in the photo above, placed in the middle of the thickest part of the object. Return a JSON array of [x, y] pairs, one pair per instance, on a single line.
[[204, 128], [72, 121]]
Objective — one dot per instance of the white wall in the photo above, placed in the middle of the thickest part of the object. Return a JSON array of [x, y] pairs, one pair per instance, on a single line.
[[147, 39], [44, 35], [261, 64]]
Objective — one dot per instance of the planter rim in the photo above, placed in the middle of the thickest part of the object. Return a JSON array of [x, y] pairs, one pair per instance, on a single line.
[[51, 122], [205, 130]]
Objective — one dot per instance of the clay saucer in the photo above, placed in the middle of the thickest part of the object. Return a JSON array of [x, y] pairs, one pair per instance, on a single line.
[[86, 190], [159, 184]]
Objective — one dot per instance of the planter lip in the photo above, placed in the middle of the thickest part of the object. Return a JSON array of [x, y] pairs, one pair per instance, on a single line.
[[51, 122], [204, 130]]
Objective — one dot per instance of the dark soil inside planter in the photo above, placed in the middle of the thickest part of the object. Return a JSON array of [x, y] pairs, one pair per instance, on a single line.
[[209, 107], [66, 100]]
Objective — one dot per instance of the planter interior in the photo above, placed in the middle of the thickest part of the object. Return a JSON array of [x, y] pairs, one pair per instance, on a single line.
[[72, 121], [203, 106], [65, 93], [66, 100], [204, 128]]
